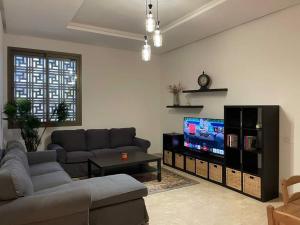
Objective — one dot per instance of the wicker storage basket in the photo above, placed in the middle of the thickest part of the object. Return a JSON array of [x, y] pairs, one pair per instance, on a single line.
[[252, 185], [215, 172], [190, 164], [201, 168], [179, 161], [234, 179], [168, 157]]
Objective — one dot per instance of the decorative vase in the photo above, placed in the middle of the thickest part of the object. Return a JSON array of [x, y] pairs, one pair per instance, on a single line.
[[176, 100]]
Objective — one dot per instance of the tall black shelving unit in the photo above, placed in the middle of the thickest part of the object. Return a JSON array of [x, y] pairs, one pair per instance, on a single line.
[[254, 171]]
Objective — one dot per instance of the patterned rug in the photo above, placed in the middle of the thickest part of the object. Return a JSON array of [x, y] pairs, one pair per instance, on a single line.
[[170, 181]]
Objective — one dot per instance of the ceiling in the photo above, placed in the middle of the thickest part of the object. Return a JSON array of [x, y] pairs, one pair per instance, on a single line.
[[120, 24]]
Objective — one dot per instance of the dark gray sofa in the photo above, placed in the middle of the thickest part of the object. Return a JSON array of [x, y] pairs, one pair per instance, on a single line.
[[35, 190], [74, 147]]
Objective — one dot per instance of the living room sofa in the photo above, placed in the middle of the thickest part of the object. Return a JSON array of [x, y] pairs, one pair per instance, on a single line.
[[35, 190], [74, 147]]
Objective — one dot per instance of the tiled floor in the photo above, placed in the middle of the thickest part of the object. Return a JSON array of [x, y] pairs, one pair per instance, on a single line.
[[205, 204]]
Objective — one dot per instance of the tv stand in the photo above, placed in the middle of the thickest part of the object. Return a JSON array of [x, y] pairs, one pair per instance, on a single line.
[[252, 170], [199, 164]]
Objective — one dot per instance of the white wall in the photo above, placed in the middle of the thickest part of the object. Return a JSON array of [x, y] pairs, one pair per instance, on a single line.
[[260, 64], [1, 82], [118, 89]]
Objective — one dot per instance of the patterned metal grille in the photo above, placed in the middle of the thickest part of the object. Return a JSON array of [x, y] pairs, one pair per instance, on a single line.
[[62, 85], [46, 81], [30, 82]]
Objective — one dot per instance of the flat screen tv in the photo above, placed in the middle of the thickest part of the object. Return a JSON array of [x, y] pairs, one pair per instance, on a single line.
[[204, 135]]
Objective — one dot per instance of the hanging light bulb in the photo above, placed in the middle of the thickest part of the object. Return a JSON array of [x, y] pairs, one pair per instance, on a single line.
[[146, 51], [157, 37], [150, 21]]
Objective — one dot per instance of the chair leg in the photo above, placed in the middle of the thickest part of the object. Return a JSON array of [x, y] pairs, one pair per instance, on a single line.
[[270, 210]]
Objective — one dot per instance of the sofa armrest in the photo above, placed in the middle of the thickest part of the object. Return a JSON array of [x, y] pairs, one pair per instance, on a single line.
[[41, 157], [41, 208], [60, 151], [142, 143]]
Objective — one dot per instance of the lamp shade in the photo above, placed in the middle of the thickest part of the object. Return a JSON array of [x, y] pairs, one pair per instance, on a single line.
[[150, 22], [157, 38], [146, 52]]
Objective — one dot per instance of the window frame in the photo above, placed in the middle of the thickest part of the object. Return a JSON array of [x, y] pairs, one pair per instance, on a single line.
[[12, 51]]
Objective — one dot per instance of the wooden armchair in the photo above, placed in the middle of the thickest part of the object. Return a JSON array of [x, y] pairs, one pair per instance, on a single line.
[[289, 213], [284, 188], [276, 217]]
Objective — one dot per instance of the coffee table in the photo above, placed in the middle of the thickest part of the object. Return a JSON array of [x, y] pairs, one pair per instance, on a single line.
[[113, 160]]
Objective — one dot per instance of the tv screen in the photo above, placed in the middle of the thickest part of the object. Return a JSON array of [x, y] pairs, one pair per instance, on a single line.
[[205, 135]]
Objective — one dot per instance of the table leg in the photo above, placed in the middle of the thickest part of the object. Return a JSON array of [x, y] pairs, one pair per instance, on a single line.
[[102, 172], [159, 170], [89, 169]]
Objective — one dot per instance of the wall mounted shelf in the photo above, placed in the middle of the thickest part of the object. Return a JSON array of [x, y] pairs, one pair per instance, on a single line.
[[206, 90], [185, 106]]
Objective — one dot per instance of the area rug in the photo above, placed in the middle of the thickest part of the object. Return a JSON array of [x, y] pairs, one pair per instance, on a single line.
[[170, 181]]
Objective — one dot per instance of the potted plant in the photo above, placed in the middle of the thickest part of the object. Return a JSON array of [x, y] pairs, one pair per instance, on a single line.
[[20, 115], [175, 89]]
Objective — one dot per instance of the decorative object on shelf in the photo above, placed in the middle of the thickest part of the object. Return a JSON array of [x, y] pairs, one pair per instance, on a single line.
[[249, 143], [152, 26], [19, 114], [232, 141], [175, 90], [204, 80]]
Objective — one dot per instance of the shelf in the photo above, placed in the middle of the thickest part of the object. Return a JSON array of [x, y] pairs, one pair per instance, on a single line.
[[185, 106], [257, 129], [206, 90], [257, 151], [237, 128]]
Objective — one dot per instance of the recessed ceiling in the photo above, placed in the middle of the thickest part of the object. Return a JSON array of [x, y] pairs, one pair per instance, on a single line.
[[120, 23], [129, 15]]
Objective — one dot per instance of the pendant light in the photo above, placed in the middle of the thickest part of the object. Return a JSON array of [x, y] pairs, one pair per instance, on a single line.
[[157, 37], [150, 21], [146, 51]]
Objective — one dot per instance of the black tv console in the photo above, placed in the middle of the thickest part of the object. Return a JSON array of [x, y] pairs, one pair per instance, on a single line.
[[253, 172]]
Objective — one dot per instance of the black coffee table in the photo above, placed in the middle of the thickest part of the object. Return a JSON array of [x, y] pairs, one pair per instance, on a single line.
[[113, 160]]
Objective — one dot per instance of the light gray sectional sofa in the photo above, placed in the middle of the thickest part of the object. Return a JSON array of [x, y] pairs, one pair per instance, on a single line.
[[74, 147], [35, 190]]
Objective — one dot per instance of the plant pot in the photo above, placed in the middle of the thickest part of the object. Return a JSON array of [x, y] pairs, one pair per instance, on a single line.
[[176, 99]]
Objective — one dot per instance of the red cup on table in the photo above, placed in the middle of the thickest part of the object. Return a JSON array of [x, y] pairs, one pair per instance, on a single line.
[[124, 155]]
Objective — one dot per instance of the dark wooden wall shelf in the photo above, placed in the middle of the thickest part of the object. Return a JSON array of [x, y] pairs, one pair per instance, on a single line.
[[185, 106], [206, 90]]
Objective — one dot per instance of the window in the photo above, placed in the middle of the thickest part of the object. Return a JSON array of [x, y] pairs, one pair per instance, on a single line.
[[46, 78]]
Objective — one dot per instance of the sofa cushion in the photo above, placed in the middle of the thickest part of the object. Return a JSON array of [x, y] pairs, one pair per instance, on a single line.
[[18, 154], [70, 140], [103, 152], [50, 180], [7, 187], [121, 137], [97, 138], [129, 149], [78, 156], [43, 168], [21, 180], [14, 144], [108, 190]]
